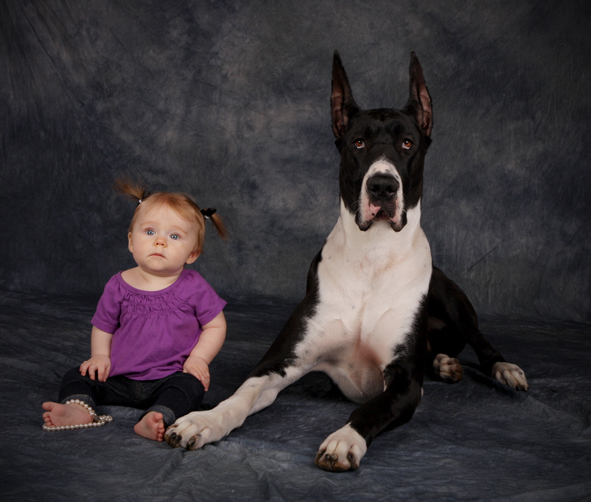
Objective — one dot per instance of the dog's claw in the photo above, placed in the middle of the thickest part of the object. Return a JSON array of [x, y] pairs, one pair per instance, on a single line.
[[191, 443], [330, 462], [172, 439]]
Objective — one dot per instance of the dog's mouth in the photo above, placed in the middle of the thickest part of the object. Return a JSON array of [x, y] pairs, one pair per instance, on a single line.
[[374, 212], [376, 209], [378, 213]]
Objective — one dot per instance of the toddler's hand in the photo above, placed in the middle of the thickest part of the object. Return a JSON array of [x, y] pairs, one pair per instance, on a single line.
[[99, 365], [199, 368]]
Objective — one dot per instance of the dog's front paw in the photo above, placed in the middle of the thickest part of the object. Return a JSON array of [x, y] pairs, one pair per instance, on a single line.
[[194, 430], [448, 368], [511, 375], [341, 451]]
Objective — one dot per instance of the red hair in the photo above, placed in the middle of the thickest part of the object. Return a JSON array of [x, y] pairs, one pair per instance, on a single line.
[[183, 204]]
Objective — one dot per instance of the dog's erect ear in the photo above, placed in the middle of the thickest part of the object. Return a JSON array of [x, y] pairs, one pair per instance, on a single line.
[[419, 101], [342, 102]]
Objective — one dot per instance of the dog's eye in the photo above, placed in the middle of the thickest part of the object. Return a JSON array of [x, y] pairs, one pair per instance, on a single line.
[[359, 143], [407, 144]]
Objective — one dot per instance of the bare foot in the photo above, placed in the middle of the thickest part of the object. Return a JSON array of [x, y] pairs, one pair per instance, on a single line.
[[57, 415], [151, 426]]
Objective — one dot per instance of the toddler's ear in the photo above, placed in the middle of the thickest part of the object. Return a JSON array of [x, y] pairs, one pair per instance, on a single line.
[[130, 242], [192, 257]]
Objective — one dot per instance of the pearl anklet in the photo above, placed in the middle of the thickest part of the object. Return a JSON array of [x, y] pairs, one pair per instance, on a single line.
[[97, 421]]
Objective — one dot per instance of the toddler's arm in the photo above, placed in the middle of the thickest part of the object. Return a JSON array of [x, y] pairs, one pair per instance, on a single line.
[[100, 355], [209, 344]]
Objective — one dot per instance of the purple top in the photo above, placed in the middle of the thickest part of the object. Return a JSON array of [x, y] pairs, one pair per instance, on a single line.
[[155, 331]]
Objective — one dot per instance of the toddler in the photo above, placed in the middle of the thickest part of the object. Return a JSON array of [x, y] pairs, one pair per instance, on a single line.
[[157, 326]]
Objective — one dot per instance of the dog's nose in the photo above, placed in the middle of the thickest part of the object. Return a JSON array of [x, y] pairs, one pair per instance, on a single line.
[[382, 186]]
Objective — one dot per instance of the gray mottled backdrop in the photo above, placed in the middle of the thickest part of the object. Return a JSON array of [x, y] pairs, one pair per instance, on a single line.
[[229, 100]]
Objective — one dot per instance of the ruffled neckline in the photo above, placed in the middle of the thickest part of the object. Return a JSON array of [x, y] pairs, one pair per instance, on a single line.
[[167, 289], [139, 302]]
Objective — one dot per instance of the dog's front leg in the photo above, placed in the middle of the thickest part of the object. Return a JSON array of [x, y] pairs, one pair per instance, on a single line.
[[202, 427], [344, 449]]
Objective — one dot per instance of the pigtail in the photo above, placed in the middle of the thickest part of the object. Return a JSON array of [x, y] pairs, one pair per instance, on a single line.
[[130, 189], [216, 220], [183, 203]]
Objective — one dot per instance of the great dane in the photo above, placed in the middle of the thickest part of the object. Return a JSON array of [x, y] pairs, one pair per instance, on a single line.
[[377, 316]]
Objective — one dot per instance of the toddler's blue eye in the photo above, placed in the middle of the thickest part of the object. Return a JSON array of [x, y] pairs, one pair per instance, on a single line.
[[174, 237], [150, 232]]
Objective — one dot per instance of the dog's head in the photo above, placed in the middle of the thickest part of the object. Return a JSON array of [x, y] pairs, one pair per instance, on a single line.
[[382, 151]]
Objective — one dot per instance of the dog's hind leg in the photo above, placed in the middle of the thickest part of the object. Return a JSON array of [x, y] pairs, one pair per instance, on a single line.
[[453, 324], [445, 343]]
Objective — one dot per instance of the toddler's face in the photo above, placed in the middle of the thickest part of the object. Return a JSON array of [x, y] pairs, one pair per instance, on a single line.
[[162, 242]]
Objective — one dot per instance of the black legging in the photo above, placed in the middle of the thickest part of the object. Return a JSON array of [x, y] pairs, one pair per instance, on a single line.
[[173, 396]]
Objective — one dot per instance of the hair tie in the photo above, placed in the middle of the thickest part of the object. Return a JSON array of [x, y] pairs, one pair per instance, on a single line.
[[208, 213], [146, 195]]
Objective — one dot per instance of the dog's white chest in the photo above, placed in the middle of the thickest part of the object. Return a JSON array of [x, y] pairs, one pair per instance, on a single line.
[[369, 293]]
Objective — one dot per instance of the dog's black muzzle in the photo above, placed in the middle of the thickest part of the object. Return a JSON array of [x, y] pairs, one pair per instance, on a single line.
[[382, 188]]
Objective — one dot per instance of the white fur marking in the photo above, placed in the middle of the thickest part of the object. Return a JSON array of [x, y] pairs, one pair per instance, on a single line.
[[342, 450], [381, 166], [202, 427], [370, 287], [448, 368], [510, 374]]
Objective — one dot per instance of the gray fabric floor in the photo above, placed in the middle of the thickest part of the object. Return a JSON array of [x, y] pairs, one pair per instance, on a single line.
[[475, 440]]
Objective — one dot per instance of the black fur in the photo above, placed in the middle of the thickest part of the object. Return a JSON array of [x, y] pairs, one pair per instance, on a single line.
[[281, 352], [449, 305]]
